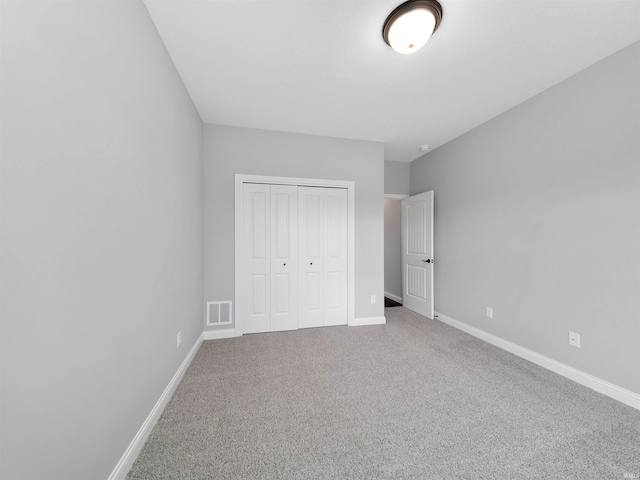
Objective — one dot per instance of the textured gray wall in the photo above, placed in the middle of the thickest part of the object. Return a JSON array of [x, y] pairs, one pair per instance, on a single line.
[[392, 244], [396, 178], [102, 233], [231, 150], [537, 214]]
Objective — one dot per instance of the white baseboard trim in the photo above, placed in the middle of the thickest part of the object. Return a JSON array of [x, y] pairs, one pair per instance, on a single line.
[[393, 297], [131, 453], [601, 386], [359, 322], [216, 334]]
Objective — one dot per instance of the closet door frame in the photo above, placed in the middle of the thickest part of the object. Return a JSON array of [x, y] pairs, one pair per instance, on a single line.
[[240, 179]]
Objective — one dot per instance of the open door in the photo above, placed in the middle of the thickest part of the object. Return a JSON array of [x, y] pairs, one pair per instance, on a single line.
[[417, 253]]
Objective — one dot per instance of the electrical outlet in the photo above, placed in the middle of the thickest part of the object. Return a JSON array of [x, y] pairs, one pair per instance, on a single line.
[[574, 339], [489, 312], [178, 339], [373, 299]]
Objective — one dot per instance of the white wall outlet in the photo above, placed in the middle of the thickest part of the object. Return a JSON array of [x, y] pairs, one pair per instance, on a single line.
[[489, 312], [179, 339], [373, 299], [574, 339]]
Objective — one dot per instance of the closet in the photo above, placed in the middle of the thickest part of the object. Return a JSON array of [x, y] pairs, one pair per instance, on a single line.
[[294, 257]]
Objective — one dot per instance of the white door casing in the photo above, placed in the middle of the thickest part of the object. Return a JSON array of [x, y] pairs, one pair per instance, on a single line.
[[417, 253]]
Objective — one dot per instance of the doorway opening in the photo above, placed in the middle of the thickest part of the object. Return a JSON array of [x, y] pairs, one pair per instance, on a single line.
[[392, 250]]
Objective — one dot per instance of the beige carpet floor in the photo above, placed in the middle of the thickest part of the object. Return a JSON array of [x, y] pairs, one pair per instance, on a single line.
[[413, 399]]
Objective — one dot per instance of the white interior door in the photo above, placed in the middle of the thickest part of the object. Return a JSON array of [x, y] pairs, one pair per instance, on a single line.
[[311, 254], [417, 253], [256, 258], [323, 244], [335, 257], [284, 257], [270, 257]]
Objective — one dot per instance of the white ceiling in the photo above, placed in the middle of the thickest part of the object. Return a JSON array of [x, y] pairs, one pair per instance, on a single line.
[[321, 67]]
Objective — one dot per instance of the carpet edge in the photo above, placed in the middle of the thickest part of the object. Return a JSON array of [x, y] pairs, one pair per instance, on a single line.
[[131, 453], [599, 385]]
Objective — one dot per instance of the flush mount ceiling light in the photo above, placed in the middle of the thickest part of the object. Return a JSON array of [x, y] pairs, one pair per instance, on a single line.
[[411, 24]]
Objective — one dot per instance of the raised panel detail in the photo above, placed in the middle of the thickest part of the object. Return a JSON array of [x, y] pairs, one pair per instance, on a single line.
[[313, 291], [259, 230], [314, 225], [334, 290], [334, 221], [417, 229], [417, 281], [282, 224], [282, 298], [259, 298]]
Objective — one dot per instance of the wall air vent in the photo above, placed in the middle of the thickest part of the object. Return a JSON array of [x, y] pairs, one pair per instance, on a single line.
[[219, 313]]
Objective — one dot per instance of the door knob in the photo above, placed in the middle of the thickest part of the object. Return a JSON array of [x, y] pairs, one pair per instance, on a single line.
[[284, 264], [428, 260]]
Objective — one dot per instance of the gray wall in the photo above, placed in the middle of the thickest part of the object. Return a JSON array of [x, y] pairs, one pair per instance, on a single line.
[[392, 244], [396, 178], [537, 214], [101, 233], [231, 150]]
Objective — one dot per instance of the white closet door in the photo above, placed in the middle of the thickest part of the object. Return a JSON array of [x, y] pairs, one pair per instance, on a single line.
[[335, 256], [323, 256], [311, 254], [284, 257], [294, 257], [256, 258]]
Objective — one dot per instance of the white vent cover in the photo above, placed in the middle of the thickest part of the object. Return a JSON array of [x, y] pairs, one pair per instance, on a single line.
[[219, 313]]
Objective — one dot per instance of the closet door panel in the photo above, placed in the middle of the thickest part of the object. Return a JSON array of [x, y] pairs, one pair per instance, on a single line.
[[294, 257], [256, 288], [284, 257], [335, 257], [311, 248]]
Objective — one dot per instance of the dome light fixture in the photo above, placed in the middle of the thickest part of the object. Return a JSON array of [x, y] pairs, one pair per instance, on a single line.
[[411, 25]]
